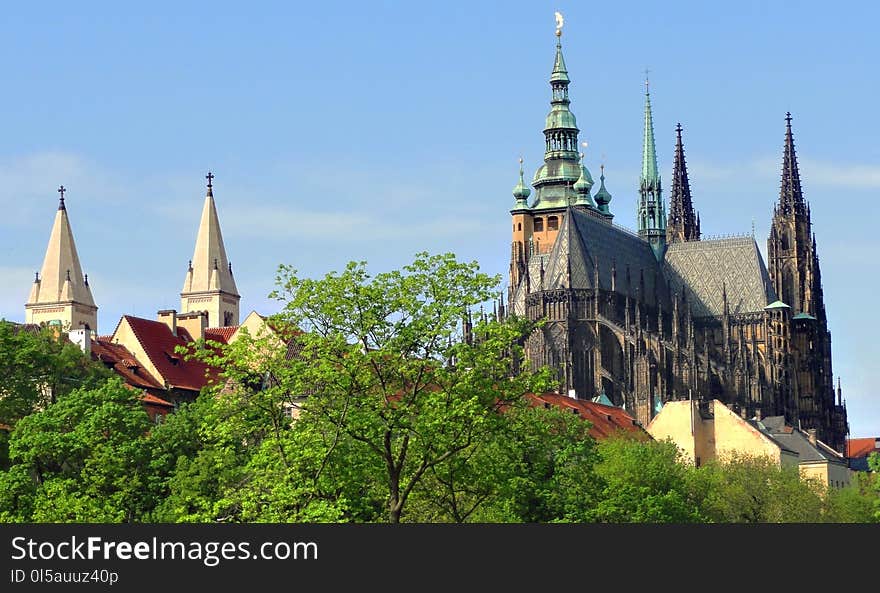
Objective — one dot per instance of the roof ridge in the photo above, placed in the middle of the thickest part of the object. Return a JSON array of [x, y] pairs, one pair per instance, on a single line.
[[143, 347]]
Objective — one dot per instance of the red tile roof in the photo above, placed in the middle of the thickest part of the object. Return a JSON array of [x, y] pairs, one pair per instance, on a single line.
[[160, 345], [151, 399], [123, 362], [221, 334], [605, 420], [862, 447]]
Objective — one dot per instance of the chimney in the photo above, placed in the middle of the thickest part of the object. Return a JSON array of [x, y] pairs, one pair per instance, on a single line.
[[572, 394], [758, 414], [169, 318], [195, 322], [812, 434], [82, 338]]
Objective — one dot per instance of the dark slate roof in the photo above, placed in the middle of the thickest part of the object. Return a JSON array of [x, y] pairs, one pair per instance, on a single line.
[[797, 440], [760, 427], [585, 240], [707, 267]]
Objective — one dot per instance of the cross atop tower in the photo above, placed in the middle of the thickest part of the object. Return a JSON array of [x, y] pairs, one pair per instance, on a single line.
[[209, 177], [61, 191]]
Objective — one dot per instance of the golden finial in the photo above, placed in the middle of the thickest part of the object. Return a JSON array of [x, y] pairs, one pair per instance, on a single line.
[[559, 22]]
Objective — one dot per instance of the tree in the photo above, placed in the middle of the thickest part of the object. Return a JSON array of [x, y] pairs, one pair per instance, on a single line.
[[874, 464], [39, 367], [643, 482], [394, 395], [82, 459], [855, 503], [746, 489]]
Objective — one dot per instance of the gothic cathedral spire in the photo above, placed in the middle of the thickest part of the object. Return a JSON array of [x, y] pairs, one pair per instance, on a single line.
[[652, 212], [791, 198], [60, 293], [682, 225], [790, 246], [209, 285]]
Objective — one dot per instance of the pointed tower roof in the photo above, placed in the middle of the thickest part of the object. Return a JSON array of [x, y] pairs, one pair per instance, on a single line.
[[602, 196], [554, 179], [521, 191], [209, 269], [682, 224], [61, 277], [790, 195], [649, 175], [559, 74], [583, 186]]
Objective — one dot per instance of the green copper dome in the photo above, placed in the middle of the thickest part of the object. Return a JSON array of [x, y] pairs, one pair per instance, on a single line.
[[560, 117], [559, 170], [521, 191], [602, 196], [584, 182]]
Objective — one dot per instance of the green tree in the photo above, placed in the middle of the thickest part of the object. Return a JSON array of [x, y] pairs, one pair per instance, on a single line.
[[39, 367], [855, 503], [386, 394], [644, 482], [874, 464], [81, 459], [746, 489]]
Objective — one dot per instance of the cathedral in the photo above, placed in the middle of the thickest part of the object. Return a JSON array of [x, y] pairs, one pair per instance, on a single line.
[[641, 318]]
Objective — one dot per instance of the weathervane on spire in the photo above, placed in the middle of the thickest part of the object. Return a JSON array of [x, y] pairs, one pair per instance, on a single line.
[[647, 81], [559, 22]]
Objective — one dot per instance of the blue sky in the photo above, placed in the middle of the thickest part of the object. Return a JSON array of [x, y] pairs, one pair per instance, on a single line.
[[342, 131]]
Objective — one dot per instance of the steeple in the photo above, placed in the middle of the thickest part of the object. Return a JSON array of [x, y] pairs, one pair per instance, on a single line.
[[790, 250], [651, 212], [791, 197], [602, 196], [683, 225], [60, 293], [649, 176], [582, 187], [208, 284], [561, 169], [521, 191]]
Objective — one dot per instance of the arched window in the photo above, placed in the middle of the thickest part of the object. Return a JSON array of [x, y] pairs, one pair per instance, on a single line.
[[519, 226], [788, 292], [539, 225], [552, 223]]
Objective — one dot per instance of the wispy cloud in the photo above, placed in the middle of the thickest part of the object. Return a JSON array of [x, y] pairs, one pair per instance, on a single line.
[[28, 184], [17, 281], [817, 173], [279, 222], [860, 176]]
